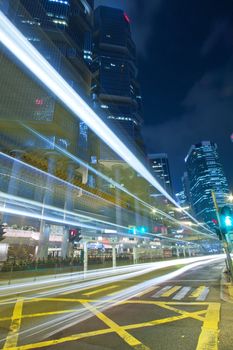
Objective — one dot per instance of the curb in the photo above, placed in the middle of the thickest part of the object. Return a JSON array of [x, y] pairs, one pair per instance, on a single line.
[[226, 288]]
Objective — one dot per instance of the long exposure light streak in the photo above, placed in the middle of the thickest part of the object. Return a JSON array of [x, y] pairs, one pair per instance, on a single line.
[[4, 209], [148, 206], [64, 212], [71, 219], [111, 181], [18, 45], [105, 303], [68, 184], [59, 323]]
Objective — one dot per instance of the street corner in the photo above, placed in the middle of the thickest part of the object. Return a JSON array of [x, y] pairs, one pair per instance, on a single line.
[[227, 292], [226, 289]]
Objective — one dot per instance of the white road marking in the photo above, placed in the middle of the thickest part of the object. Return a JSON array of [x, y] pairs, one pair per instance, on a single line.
[[161, 291], [203, 295], [182, 293]]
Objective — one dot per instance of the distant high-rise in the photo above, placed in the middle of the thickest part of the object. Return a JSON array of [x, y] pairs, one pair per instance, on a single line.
[[115, 87], [181, 198], [161, 171], [205, 174], [186, 188]]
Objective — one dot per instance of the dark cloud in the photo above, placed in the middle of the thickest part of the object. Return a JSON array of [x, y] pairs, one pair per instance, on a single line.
[[221, 33], [185, 71], [141, 14], [209, 106]]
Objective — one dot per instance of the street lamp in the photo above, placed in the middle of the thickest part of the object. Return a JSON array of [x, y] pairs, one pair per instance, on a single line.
[[230, 197], [181, 209]]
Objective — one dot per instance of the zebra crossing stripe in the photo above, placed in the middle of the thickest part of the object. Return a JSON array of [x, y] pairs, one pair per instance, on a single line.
[[182, 293], [197, 292], [203, 294], [161, 291], [170, 291]]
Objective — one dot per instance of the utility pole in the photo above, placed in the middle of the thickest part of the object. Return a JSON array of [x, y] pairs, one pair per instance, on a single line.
[[223, 238]]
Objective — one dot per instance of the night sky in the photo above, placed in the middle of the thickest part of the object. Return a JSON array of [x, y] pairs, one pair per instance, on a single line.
[[185, 59]]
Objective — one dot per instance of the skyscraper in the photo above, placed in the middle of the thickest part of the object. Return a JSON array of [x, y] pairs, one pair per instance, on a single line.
[[115, 87], [61, 31], [205, 174], [161, 171], [68, 26]]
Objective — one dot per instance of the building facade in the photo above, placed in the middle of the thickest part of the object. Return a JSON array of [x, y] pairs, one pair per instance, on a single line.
[[115, 87], [160, 168], [61, 31], [205, 174]]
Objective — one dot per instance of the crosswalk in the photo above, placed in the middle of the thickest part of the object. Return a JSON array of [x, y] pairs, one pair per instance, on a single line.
[[181, 292], [173, 292]]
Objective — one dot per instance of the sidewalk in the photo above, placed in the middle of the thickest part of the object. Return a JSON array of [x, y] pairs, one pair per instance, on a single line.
[[226, 288]]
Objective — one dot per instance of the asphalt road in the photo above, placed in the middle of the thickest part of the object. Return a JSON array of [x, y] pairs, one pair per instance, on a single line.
[[140, 312]]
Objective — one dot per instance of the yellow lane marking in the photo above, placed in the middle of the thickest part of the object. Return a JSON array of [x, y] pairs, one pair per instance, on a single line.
[[41, 314], [62, 340], [162, 302], [185, 313], [167, 305], [79, 300], [101, 332], [128, 338], [70, 300], [79, 289], [197, 292], [99, 290], [170, 291], [115, 293], [12, 337], [163, 320], [208, 339], [230, 290], [135, 295], [148, 290]]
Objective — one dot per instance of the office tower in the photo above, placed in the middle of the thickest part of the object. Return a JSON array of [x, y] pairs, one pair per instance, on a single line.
[[33, 123], [115, 87], [160, 168], [68, 26], [181, 198], [61, 31], [186, 188], [205, 174]]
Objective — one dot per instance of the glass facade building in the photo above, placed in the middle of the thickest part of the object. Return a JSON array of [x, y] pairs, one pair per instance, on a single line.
[[160, 168], [205, 174], [61, 31], [115, 87]]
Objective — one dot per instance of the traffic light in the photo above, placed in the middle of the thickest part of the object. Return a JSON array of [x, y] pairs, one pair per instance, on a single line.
[[132, 230], [75, 235], [226, 217], [2, 231], [142, 229]]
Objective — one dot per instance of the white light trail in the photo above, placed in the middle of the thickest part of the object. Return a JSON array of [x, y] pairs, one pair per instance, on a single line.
[[65, 183], [72, 218], [59, 323], [112, 182], [19, 46]]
